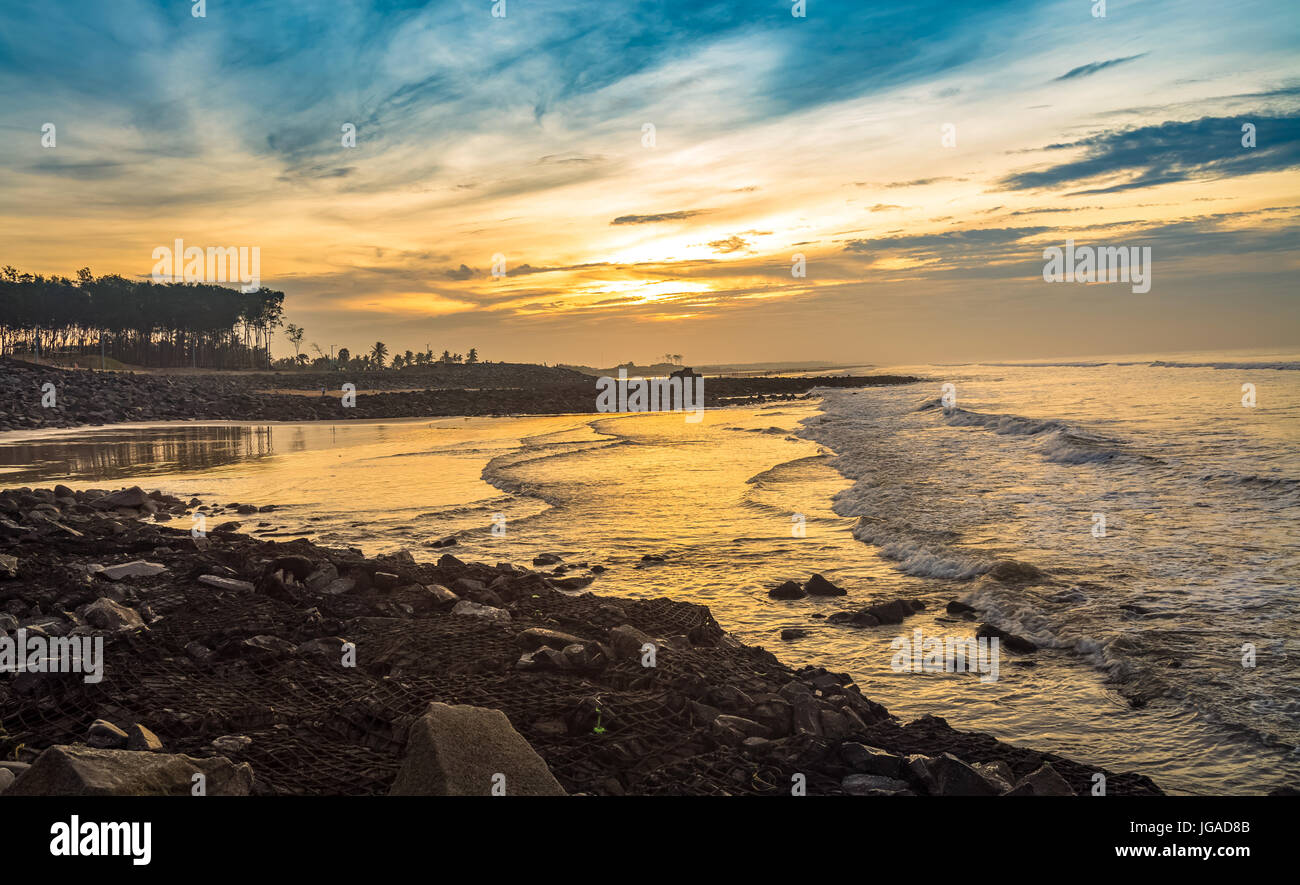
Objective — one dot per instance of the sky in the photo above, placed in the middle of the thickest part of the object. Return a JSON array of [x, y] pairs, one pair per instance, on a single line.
[[645, 173]]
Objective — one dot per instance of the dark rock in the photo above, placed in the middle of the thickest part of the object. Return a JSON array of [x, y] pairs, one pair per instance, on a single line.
[[788, 590], [462, 751], [104, 735], [1044, 781], [1009, 640], [141, 738], [819, 586], [87, 771]]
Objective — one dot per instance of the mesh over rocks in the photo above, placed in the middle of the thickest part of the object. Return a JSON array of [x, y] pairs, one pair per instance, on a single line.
[[240, 668]]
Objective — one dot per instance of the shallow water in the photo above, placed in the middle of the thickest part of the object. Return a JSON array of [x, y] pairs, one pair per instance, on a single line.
[[895, 496]]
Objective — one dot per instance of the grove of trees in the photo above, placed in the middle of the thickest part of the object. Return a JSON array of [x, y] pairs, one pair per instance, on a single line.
[[137, 322]]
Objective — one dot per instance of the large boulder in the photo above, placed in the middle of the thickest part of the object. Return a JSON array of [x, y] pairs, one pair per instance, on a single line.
[[819, 586], [1044, 781], [77, 770], [787, 590], [132, 497], [105, 614], [460, 750]]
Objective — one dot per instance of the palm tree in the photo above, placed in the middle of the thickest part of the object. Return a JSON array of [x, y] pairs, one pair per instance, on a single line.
[[473, 356], [379, 353]]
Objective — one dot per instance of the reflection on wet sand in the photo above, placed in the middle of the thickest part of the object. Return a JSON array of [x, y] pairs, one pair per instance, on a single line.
[[135, 452]]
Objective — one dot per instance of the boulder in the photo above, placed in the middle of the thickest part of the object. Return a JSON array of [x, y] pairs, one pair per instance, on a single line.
[[140, 738], [819, 586], [475, 610], [220, 583], [788, 590], [873, 785], [627, 641], [461, 750], [135, 569], [536, 637], [85, 771], [132, 497], [1008, 640], [105, 735], [8, 566], [299, 566], [871, 760], [1044, 781], [105, 614], [949, 776]]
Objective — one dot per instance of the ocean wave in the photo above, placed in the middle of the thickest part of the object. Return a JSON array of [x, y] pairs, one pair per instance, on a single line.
[[1280, 365]]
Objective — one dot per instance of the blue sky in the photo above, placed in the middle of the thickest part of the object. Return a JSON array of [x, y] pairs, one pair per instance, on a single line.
[[523, 137]]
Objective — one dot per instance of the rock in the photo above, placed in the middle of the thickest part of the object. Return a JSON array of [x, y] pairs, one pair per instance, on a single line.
[[135, 569], [232, 526], [6, 780], [746, 727], [198, 651], [790, 633], [442, 596], [627, 642], [894, 611], [819, 586], [960, 608], [463, 751], [339, 586], [1044, 781], [1009, 640], [861, 618], [8, 566], [327, 650], [87, 771], [536, 637], [232, 743], [448, 541], [386, 580], [871, 760], [998, 773], [104, 735], [300, 567], [547, 559], [132, 497], [873, 785], [1009, 571], [105, 614], [220, 583], [788, 590], [467, 586], [254, 647], [543, 659], [140, 738], [473, 609], [952, 777]]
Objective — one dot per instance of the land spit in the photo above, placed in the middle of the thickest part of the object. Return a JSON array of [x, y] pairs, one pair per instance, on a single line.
[[49, 397]]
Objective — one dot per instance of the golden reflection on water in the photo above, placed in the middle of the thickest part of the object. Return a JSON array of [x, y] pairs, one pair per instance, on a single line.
[[136, 452]]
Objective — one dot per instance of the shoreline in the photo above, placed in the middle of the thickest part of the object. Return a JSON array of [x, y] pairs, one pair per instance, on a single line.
[[226, 647], [83, 397]]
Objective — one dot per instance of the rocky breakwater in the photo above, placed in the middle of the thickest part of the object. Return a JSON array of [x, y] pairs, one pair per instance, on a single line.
[[291, 668], [44, 397]]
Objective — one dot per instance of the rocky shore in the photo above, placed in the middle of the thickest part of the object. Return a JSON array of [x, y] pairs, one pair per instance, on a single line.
[[289, 668], [83, 397]]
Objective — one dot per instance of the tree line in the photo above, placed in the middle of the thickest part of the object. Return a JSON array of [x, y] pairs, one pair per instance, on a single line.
[[138, 322], [375, 358]]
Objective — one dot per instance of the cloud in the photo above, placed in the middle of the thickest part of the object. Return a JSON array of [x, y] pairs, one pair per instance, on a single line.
[[730, 244], [1207, 148], [1090, 69], [662, 216]]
